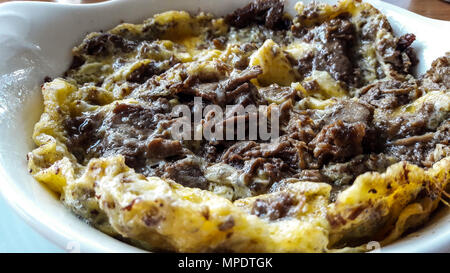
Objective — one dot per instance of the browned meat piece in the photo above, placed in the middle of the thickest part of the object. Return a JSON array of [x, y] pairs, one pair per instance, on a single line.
[[235, 152], [140, 117], [204, 90], [267, 149], [235, 81], [77, 61], [209, 152], [226, 91], [312, 176], [144, 72], [389, 94], [334, 55], [405, 41], [274, 160], [398, 52], [416, 153], [245, 150], [438, 77], [273, 169], [275, 207], [336, 133], [104, 44], [301, 126], [405, 125], [345, 173], [220, 42], [338, 141], [283, 149], [188, 173], [263, 12], [277, 93], [240, 59], [238, 89], [347, 111], [419, 149], [82, 134], [126, 132], [414, 139], [163, 148], [310, 12]]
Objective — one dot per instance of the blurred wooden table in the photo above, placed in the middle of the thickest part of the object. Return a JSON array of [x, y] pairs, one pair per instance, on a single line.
[[437, 9]]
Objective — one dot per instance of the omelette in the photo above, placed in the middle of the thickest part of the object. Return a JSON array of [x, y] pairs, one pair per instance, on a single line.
[[362, 155]]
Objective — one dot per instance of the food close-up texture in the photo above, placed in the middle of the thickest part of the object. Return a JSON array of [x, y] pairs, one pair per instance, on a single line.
[[363, 149]]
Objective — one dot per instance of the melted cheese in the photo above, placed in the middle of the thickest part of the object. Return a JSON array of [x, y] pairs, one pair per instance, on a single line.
[[276, 67]]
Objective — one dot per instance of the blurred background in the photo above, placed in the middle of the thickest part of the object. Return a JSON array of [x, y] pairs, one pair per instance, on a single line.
[[16, 236]]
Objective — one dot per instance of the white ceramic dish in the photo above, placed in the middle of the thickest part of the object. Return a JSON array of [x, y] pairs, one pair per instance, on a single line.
[[36, 41]]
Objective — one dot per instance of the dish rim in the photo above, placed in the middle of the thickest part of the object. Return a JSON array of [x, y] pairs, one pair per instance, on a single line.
[[60, 234]]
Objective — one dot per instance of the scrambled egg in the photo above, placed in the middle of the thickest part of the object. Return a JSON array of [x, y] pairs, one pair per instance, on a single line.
[[157, 213]]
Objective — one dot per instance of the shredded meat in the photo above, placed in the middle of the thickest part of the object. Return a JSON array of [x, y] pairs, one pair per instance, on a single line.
[[438, 77], [82, 134], [265, 12], [144, 72], [188, 173], [347, 111], [226, 91], [389, 94], [276, 160], [408, 124], [105, 43], [334, 144], [338, 141], [334, 55], [420, 149], [398, 52], [128, 131]]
